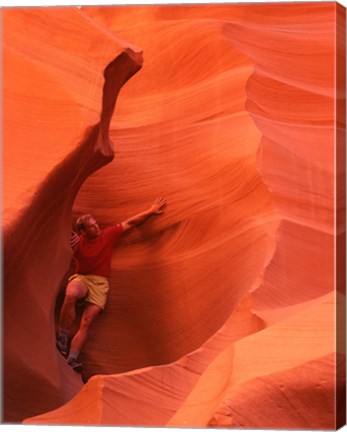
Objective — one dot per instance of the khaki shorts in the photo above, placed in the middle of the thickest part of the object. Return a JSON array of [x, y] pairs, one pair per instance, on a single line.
[[97, 288]]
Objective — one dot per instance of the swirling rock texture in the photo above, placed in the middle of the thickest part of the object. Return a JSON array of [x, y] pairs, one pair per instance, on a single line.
[[223, 311]]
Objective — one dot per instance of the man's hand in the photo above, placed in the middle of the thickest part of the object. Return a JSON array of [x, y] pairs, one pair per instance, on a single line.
[[157, 207], [74, 239]]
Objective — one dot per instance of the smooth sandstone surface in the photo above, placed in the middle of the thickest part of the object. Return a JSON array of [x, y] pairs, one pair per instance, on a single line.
[[225, 300]]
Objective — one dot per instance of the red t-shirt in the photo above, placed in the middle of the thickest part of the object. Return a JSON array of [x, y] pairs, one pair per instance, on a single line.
[[94, 256]]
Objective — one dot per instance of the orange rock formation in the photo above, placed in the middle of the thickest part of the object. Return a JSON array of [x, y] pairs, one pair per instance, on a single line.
[[223, 311]]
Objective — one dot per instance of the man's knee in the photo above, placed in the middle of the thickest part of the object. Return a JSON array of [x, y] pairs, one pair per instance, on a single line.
[[74, 292]]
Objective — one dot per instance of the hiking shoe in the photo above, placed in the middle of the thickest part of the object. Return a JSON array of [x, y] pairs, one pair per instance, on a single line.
[[76, 366], [62, 346]]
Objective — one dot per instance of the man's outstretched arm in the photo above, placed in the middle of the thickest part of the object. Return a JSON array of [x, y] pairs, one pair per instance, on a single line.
[[155, 209]]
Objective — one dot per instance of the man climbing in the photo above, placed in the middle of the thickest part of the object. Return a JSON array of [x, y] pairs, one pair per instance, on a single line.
[[92, 254]]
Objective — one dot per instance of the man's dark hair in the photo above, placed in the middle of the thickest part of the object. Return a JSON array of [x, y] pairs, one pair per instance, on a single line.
[[80, 223]]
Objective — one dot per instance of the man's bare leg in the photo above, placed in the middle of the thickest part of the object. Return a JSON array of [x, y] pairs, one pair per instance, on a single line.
[[91, 311], [74, 292]]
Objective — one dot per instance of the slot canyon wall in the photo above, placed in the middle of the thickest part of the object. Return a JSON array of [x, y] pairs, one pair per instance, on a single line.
[[222, 311]]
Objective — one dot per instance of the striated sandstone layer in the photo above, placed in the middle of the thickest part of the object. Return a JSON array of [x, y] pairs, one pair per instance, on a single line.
[[221, 311]]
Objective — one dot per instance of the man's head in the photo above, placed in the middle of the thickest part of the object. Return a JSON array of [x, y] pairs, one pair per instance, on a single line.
[[88, 226]]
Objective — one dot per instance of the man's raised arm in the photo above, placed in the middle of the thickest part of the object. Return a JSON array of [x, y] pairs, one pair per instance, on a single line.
[[155, 209], [74, 239]]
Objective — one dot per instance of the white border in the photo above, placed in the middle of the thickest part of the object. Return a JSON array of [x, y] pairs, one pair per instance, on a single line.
[[14, 3], [27, 3]]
